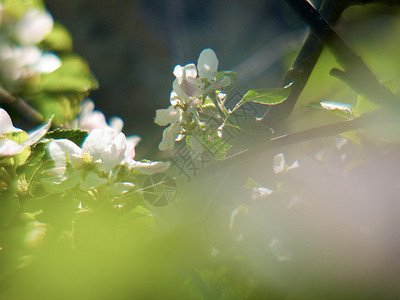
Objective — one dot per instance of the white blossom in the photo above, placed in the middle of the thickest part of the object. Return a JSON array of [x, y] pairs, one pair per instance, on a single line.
[[34, 25], [8, 147]]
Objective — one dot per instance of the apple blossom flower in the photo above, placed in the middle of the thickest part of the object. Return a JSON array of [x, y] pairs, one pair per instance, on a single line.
[[33, 26], [8, 146], [90, 119], [190, 88], [93, 164], [193, 81], [24, 58]]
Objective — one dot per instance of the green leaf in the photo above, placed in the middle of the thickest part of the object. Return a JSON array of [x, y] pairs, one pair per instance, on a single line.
[[9, 207], [266, 96], [16, 8], [77, 136], [59, 39], [74, 76], [34, 162], [215, 145], [338, 108], [364, 106], [227, 77], [64, 107]]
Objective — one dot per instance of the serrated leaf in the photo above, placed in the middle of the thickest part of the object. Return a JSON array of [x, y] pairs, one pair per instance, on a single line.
[[266, 96], [215, 145], [77, 136]]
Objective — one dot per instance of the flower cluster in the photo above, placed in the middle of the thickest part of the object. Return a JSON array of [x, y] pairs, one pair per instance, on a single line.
[[97, 162], [195, 90], [23, 58]]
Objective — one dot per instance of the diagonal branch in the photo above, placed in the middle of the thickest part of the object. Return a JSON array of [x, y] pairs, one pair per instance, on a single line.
[[302, 67], [21, 106], [361, 77]]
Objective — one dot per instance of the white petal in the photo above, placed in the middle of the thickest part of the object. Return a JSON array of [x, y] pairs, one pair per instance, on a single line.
[[34, 25], [116, 123], [151, 167], [180, 94], [36, 135], [9, 148], [62, 149], [47, 63], [207, 64], [97, 140], [279, 163], [113, 154], [167, 116], [87, 106], [6, 125], [134, 139], [192, 87], [92, 120], [129, 154], [169, 135], [190, 71]]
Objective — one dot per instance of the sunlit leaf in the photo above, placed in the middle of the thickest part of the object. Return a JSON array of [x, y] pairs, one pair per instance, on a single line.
[[266, 96], [337, 108], [364, 106], [59, 39]]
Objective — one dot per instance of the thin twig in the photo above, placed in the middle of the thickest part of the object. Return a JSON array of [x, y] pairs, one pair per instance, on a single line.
[[21, 106]]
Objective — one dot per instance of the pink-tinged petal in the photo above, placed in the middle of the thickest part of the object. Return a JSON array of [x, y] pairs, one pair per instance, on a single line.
[[191, 88], [9, 148], [92, 120], [129, 153]]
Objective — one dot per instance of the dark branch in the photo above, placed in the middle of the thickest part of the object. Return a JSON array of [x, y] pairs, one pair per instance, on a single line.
[[302, 67], [362, 78], [20, 106]]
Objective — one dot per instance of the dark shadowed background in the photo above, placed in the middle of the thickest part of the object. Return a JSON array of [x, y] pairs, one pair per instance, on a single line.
[[132, 47]]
